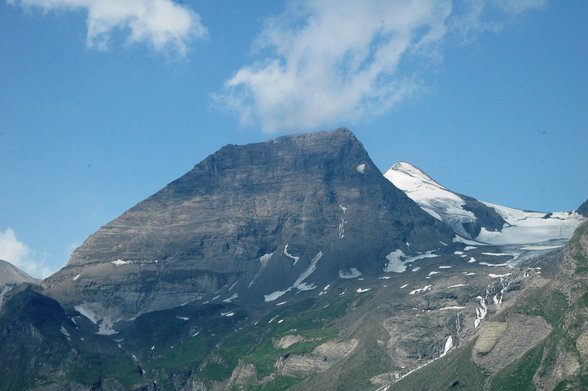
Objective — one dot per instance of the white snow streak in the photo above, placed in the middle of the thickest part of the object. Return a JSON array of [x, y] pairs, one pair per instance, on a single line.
[[421, 290], [491, 275], [286, 253], [120, 262], [299, 283], [448, 346]]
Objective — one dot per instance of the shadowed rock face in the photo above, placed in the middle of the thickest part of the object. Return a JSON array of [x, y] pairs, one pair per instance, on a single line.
[[583, 209], [215, 228], [10, 277], [486, 217]]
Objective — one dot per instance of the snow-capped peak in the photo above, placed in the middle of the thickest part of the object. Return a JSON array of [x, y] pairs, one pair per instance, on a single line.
[[414, 172], [514, 226], [433, 198]]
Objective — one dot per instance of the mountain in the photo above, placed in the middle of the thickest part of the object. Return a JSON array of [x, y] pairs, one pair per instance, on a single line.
[[482, 221], [45, 347], [249, 224], [583, 209], [11, 276], [296, 265]]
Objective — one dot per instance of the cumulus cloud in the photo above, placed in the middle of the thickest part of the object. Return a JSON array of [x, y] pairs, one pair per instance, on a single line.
[[20, 255], [163, 24], [328, 62]]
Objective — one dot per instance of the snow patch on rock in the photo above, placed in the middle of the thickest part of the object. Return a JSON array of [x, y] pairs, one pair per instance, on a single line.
[[395, 262], [120, 262], [299, 283], [448, 345], [349, 274], [286, 253], [420, 290]]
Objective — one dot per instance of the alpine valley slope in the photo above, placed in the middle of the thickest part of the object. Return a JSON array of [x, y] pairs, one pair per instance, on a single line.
[[295, 264]]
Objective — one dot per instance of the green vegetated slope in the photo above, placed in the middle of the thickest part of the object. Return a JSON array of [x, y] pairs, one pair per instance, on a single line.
[[203, 343], [455, 371], [255, 346]]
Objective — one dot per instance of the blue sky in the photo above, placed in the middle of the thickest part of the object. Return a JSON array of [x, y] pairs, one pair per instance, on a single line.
[[103, 102]]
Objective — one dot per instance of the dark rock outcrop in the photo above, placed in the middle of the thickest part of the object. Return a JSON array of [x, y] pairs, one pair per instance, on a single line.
[[583, 209], [486, 217]]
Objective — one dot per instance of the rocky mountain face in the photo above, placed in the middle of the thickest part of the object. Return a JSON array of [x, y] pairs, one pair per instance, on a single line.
[[10, 277], [248, 224], [583, 209], [294, 264]]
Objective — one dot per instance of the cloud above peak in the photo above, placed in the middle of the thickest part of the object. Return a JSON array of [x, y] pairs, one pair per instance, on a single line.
[[326, 62], [333, 59], [20, 255], [164, 25]]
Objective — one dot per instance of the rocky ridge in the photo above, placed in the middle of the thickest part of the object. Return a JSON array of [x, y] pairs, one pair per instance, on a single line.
[[11, 277]]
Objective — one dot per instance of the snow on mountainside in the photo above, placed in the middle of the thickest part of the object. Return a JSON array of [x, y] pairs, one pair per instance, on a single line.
[[531, 227], [433, 198], [518, 226]]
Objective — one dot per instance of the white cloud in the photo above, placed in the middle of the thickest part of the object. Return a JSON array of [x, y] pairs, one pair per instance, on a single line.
[[471, 18], [163, 24], [515, 7], [20, 255], [331, 62]]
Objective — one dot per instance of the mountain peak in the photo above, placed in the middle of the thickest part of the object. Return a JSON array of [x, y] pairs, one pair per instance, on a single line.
[[413, 171], [10, 274], [419, 186], [254, 219], [583, 209]]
